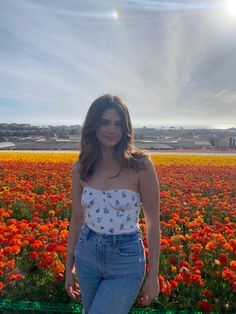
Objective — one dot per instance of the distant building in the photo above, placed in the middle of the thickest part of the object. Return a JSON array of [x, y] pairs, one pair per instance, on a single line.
[[4, 145]]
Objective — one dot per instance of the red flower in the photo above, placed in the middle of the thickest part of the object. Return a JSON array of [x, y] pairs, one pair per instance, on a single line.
[[234, 286], [199, 263], [173, 261], [207, 293], [198, 279], [185, 264], [173, 284], [51, 247], [33, 255], [223, 259], [205, 306]]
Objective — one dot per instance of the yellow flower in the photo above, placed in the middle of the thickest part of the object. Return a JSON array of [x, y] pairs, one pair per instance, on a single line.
[[173, 269]]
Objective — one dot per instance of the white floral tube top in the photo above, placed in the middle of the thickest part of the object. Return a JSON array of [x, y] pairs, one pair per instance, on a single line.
[[114, 211]]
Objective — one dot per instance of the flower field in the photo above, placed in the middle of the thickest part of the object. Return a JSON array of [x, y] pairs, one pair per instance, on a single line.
[[198, 224]]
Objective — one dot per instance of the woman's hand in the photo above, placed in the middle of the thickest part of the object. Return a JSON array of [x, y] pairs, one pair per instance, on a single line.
[[72, 287], [149, 291]]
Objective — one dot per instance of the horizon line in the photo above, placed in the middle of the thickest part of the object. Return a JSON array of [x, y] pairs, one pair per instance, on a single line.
[[223, 127]]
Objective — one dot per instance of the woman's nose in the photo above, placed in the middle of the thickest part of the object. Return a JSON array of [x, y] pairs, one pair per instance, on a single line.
[[112, 127]]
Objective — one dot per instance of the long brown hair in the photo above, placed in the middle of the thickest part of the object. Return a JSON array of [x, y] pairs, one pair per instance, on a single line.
[[125, 151]]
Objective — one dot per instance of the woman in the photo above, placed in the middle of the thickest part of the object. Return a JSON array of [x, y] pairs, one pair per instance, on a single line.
[[109, 183]]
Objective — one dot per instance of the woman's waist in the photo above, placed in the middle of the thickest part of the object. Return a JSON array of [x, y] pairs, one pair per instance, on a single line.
[[106, 235]]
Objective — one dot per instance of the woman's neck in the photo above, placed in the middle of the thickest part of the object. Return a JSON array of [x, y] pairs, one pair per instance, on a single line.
[[107, 154]]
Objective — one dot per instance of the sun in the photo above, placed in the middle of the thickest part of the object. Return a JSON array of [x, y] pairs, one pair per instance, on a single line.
[[116, 15], [231, 7]]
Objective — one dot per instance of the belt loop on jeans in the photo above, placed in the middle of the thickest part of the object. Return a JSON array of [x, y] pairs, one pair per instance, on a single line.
[[86, 231], [114, 239]]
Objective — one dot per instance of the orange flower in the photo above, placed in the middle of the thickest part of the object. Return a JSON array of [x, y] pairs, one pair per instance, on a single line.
[[43, 229], [55, 231], [11, 250], [173, 269], [197, 248], [161, 281], [165, 243], [165, 286], [179, 278], [9, 264], [64, 234], [58, 267], [167, 289], [228, 274], [211, 245], [232, 264]]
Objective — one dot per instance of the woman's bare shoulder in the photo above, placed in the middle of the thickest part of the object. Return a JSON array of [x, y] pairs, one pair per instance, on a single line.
[[76, 174], [146, 161]]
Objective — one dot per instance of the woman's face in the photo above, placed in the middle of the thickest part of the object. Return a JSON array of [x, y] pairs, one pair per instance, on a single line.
[[109, 131]]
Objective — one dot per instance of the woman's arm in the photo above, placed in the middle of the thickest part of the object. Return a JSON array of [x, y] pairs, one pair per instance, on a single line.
[[76, 223], [150, 194]]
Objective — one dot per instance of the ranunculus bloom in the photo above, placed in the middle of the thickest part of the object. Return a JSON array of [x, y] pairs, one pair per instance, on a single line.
[[173, 261], [234, 286], [207, 293], [223, 259], [228, 274], [185, 273], [185, 264], [173, 284], [232, 264], [205, 306], [199, 263], [197, 247], [179, 278]]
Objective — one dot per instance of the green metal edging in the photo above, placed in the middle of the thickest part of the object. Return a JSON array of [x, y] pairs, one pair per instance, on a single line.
[[71, 307]]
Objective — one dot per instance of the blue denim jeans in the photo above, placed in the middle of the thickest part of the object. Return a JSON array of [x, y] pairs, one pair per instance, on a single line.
[[110, 269]]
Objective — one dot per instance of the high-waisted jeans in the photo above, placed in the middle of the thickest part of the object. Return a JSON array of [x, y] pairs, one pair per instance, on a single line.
[[110, 269]]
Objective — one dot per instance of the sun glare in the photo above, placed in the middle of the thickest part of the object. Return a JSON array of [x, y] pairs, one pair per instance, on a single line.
[[116, 14], [231, 7]]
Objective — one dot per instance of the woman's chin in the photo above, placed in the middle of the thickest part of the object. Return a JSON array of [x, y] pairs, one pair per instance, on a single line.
[[109, 144]]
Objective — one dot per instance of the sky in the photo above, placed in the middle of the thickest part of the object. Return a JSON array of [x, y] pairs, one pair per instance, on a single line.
[[174, 62]]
